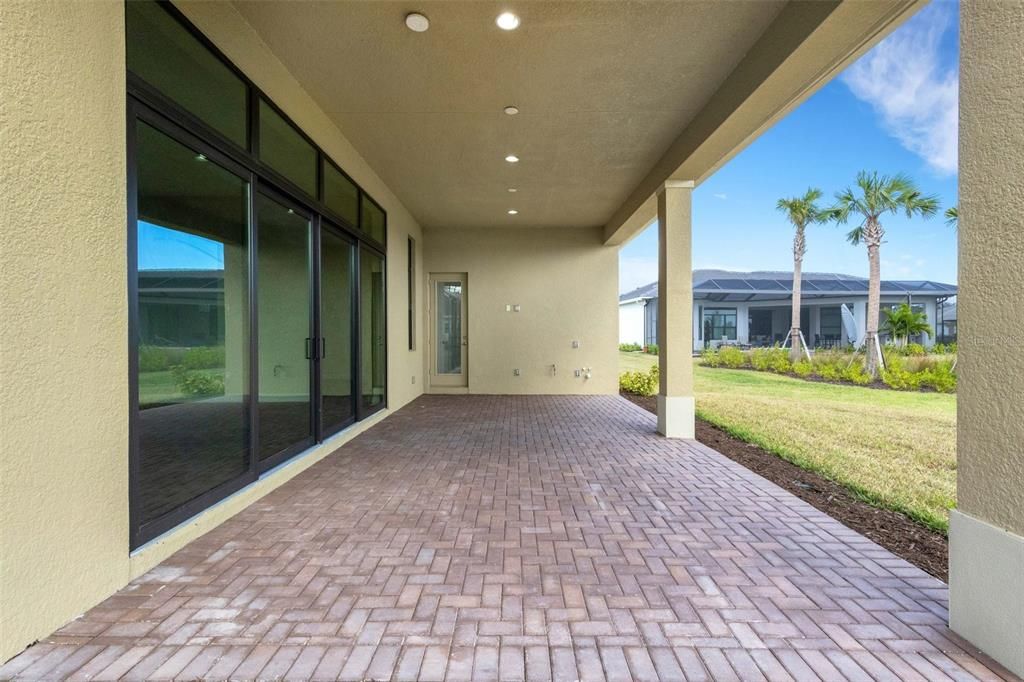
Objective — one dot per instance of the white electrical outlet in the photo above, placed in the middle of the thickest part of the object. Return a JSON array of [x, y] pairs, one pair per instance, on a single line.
[[515, 308], [578, 373], [414, 378], [515, 372], [575, 344]]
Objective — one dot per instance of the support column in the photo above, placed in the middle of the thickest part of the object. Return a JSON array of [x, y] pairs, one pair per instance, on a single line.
[[986, 530], [742, 323], [860, 316], [675, 311], [928, 340]]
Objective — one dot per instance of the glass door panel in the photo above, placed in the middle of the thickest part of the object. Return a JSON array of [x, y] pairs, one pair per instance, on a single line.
[[449, 331], [372, 331], [192, 330], [336, 271], [285, 330]]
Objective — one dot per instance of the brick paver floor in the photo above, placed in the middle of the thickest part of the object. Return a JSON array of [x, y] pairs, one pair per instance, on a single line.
[[512, 538]]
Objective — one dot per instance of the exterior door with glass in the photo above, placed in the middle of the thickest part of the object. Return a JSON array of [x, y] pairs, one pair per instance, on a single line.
[[449, 331]]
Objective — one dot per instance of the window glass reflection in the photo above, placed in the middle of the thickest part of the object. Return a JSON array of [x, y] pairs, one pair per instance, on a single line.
[[192, 318]]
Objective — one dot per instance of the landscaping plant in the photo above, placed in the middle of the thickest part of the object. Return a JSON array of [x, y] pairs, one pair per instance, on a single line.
[[902, 322], [875, 196], [801, 212]]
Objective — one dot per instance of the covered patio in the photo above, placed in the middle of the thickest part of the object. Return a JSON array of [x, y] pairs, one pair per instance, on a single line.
[[520, 537]]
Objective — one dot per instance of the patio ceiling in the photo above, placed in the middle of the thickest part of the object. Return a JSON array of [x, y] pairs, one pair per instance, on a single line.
[[613, 96]]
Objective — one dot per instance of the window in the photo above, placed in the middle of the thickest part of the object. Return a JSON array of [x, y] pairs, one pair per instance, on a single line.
[[191, 327], [373, 220], [284, 149], [257, 313], [371, 321], [719, 323], [340, 194], [161, 51], [831, 323], [411, 292]]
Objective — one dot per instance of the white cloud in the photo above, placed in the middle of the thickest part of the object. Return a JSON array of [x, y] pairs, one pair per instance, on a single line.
[[720, 195], [636, 271], [914, 94]]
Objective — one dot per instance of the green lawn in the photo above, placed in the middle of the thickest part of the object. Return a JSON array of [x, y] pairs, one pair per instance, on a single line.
[[894, 449]]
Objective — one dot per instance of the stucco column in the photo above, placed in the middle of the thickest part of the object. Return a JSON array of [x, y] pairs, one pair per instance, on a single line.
[[675, 311], [928, 340], [860, 316], [742, 323], [986, 532]]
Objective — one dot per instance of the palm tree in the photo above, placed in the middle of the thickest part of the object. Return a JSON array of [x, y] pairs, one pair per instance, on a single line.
[[875, 196], [904, 322], [952, 216], [801, 211]]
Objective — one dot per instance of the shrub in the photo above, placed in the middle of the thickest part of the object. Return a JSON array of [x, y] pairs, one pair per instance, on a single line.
[[731, 357], [901, 379], [803, 369], [829, 372], [914, 349], [709, 358], [944, 348], [779, 361], [939, 377], [761, 358], [203, 357], [651, 348], [153, 359], [640, 383], [855, 374], [630, 347], [197, 383]]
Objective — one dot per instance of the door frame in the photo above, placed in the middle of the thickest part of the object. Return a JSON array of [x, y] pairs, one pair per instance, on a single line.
[[447, 381]]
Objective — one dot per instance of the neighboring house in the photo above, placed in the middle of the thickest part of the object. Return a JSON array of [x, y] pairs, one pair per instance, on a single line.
[[755, 308]]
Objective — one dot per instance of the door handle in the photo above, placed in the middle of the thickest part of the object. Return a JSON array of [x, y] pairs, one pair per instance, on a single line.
[[465, 341], [323, 348], [309, 348]]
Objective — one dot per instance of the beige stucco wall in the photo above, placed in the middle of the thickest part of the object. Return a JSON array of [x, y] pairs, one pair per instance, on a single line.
[[63, 340], [990, 444], [566, 284], [63, 301], [986, 532]]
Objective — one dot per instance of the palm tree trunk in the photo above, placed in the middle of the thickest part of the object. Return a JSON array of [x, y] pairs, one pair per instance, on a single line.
[[798, 261], [873, 239]]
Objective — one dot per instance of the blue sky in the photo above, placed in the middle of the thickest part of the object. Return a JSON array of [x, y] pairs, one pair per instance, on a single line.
[[894, 110]]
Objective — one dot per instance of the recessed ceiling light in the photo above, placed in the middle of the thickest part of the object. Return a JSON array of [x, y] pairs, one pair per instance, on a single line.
[[200, 157], [512, 158], [417, 22], [512, 189], [511, 110], [507, 21], [512, 211]]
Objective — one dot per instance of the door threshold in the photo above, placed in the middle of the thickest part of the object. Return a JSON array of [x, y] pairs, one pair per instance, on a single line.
[[449, 389]]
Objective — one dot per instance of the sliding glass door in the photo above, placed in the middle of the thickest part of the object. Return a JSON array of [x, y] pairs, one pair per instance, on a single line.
[[190, 330], [286, 343], [337, 267], [256, 279]]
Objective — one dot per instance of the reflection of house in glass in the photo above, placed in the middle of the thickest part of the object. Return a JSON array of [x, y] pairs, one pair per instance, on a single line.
[[181, 308]]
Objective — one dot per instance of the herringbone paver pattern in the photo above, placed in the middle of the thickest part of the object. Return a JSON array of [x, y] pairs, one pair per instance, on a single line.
[[520, 538]]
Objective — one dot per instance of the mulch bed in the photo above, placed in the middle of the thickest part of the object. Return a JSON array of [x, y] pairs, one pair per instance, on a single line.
[[921, 546]]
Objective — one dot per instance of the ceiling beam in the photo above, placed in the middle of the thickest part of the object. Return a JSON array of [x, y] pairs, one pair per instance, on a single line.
[[807, 44]]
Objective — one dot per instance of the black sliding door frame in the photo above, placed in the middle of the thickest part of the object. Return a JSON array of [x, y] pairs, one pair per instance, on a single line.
[[146, 103], [324, 430], [268, 191], [140, 530], [362, 412]]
